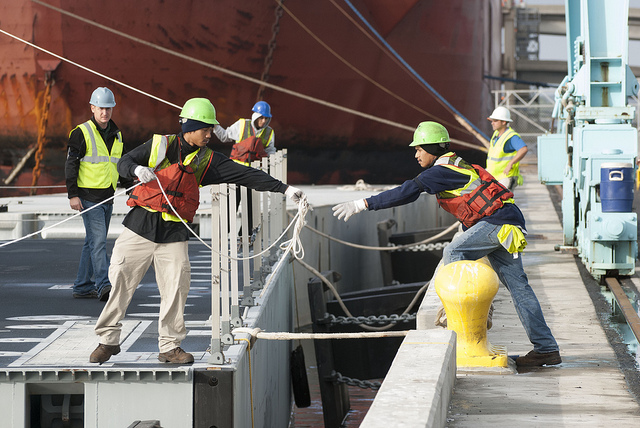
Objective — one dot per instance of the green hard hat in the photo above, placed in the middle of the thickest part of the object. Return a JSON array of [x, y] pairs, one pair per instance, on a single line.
[[430, 133], [199, 109]]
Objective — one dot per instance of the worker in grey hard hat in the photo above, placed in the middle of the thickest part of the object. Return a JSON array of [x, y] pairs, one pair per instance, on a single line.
[[94, 149], [506, 150], [103, 97]]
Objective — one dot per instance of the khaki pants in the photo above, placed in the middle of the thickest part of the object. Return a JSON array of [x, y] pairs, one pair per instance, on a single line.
[[131, 258]]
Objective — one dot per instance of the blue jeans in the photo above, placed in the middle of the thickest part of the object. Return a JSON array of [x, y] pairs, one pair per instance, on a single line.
[[482, 240], [93, 272]]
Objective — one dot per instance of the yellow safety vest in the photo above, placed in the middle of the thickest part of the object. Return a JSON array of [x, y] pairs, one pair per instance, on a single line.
[[265, 135], [497, 159], [158, 160], [98, 167]]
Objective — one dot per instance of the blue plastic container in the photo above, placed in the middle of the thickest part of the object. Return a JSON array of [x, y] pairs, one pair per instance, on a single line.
[[616, 187]]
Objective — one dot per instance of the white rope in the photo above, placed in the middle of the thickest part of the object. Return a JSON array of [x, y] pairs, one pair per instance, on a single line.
[[88, 69], [256, 333], [34, 187], [207, 65], [344, 307], [293, 243], [68, 218], [391, 248]]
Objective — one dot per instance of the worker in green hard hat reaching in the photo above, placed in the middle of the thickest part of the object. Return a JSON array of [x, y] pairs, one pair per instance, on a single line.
[[154, 234], [493, 226]]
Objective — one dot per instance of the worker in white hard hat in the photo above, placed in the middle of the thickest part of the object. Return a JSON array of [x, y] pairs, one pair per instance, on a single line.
[[94, 149], [506, 150]]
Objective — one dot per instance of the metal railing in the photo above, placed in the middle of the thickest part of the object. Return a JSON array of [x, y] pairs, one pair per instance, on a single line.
[[531, 110], [235, 278]]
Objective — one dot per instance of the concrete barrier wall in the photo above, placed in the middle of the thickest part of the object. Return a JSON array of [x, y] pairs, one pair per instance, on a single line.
[[417, 390], [269, 389]]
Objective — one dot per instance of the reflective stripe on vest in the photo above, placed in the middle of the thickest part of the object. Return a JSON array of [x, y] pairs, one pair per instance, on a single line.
[[481, 196], [498, 159], [158, 160], [98, 168], [247, 131], [452, 161]]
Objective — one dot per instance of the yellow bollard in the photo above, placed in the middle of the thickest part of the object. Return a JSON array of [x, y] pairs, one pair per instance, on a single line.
[[466, 289]]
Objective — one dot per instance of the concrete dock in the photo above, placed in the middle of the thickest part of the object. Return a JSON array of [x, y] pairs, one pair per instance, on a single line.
[[596, 385]]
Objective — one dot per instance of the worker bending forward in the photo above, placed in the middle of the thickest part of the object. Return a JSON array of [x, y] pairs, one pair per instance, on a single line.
[[153, 234], [493, 226]]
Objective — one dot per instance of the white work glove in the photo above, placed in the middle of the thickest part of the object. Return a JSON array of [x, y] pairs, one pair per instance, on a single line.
[[348, 209], [144, 174], [295, 194]]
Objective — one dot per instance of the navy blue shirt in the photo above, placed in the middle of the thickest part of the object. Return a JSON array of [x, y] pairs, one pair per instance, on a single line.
[[437, 179]]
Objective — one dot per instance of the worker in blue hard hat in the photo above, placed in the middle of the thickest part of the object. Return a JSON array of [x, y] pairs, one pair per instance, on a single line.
[[506, 149], [154, 234], [243, 132], [94, 149], [253, 139], [493, 226]]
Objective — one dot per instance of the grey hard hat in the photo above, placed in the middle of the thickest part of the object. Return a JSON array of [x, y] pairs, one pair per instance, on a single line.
[[102, 97]]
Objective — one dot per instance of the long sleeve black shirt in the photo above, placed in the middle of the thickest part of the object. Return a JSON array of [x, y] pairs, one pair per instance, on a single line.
[[76, 150], [221, 169]]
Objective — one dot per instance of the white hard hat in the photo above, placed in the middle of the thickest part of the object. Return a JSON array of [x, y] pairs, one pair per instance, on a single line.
[[501, 113]]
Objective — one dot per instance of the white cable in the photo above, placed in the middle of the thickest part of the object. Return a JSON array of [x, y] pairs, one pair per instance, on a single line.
[[295, 240], [68, 218], [256, 333]]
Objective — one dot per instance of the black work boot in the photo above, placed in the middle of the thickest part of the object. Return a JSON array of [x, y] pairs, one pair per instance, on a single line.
[[535, 359], [103, 352], [176, 355]]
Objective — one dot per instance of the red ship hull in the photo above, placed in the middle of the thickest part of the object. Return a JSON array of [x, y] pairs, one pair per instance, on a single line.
[[452, 45]]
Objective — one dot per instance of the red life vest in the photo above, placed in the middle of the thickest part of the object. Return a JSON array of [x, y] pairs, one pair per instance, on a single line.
[[483, 200], [179, 181], [248, 150], [180, 185]]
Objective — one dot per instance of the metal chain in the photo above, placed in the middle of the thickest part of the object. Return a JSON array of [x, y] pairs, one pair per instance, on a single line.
[[275, 29], [364, 384], [424, 247], [42, 127], [370, 320]]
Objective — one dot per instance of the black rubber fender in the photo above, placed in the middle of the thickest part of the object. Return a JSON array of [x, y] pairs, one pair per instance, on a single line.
[[299, 380]]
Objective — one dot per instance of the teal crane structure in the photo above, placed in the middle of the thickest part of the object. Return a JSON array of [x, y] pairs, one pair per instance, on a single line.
[[593, 150]]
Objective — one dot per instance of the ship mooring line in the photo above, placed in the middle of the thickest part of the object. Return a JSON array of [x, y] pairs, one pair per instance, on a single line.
[[395, 60], [294, 244], [79, 213], [257, 333], [204, 64], [395, 248], [473, 129], [87, 68], [344, 307], [250, 379], [34, 187]]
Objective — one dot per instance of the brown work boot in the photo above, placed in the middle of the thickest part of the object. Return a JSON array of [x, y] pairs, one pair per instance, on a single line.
[[103, 352], [176, 355], [535, 359]]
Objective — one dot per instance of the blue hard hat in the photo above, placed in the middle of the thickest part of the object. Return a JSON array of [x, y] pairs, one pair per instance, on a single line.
[[102, 97], [262, 108]]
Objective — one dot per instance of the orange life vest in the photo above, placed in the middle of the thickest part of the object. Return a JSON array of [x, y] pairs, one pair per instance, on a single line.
[[485, 196], [248, 150], [180, 185], [180, 182]]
